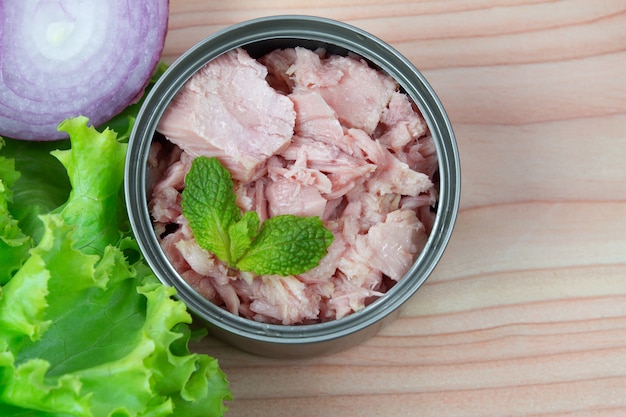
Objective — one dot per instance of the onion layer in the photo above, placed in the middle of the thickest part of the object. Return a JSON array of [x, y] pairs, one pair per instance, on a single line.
[[68, 58]]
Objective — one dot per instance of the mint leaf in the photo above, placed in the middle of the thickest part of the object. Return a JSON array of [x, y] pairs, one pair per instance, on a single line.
[[242, 233], [208, 203], [287, 245], [284, 245]]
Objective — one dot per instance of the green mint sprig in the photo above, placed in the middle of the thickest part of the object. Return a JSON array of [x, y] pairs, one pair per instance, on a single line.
[[282, 245]]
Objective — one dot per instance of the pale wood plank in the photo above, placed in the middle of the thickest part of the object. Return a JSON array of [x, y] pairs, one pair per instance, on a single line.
[[526, 313]]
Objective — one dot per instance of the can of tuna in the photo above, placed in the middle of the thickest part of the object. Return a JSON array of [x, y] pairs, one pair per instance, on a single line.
[[258, 38]]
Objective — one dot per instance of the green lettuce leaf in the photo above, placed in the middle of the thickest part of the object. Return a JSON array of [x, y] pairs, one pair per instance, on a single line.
[[86, 329], [42, 185], [93, 166], [14, 244]]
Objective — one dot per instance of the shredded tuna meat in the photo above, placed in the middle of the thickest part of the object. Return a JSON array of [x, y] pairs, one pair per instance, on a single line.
[[311, 134], [214, 115]]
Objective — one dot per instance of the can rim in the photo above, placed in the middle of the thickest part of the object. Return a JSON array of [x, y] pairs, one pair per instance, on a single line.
[[277, 29]]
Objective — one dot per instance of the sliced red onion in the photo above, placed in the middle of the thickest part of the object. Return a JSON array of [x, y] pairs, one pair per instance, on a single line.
[[68, 58]]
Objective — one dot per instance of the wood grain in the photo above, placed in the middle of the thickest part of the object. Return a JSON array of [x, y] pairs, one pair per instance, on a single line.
[[525, 315]]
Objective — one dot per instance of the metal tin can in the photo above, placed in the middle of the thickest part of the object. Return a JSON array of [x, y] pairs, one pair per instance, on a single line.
[[260, 36]]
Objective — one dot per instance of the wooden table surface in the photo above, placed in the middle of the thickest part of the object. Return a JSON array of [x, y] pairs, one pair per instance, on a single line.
[[525, 315]]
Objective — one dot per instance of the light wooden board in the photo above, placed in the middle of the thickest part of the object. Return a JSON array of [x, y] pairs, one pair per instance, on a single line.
[[526, 313]]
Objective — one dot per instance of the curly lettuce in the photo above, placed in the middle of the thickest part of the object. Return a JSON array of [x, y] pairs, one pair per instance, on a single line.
[[86, 329]]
